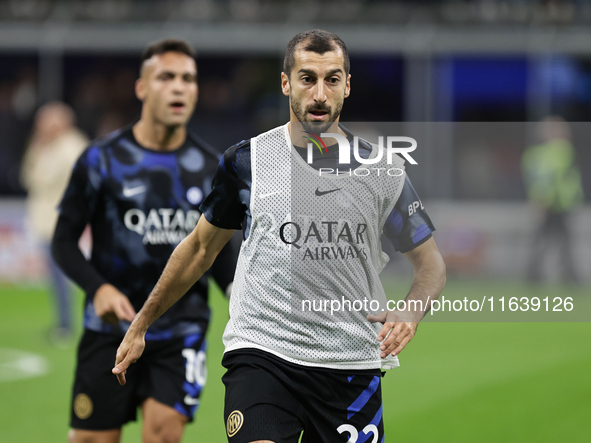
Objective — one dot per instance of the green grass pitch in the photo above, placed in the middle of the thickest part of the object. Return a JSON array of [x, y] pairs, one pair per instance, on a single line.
[[459, 382]]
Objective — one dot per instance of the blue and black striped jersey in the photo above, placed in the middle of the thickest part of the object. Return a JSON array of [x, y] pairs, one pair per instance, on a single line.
[[140, 204]]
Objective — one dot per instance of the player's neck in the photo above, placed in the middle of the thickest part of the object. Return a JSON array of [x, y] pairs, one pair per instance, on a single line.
[[298, 136], [159, 137]]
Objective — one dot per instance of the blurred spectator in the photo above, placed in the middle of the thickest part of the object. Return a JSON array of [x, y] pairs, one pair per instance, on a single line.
[[55, 145], [24, 97], [553, 184]]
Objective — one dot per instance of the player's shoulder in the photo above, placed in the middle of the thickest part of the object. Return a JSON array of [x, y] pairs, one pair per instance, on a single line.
[[391, 158], [240, 152], [244, 147], [236, 159], [99, 145], [98, 149], [365, 148], [112, 138], [239, 149], [281, 129]]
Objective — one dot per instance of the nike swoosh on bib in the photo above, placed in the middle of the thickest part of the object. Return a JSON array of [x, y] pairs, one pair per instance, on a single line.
[[320, 193]]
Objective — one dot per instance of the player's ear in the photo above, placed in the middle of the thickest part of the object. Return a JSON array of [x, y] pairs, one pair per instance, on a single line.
[[285, 86], [140, 90], [348, 86]]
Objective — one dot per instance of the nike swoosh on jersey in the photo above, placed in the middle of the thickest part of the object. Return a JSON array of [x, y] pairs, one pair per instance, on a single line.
[[190, 400], [130, 192], [320, 193], [268, 194]]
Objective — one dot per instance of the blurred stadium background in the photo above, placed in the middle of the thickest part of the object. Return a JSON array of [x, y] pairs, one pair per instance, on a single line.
[[488, 68]]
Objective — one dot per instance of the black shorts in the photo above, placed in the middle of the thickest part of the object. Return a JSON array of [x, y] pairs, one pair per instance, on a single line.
[[171, 371], [268, 398]]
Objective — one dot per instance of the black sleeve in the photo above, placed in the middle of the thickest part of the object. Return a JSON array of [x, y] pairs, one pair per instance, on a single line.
[[75, 212], [408, 225], [224, 207]]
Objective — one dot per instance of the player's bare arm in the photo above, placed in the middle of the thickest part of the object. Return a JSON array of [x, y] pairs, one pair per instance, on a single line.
[[427, 284], [189, 261]]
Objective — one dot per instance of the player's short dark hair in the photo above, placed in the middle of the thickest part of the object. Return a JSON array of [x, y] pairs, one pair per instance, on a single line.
[[168, 45], [318, 41]]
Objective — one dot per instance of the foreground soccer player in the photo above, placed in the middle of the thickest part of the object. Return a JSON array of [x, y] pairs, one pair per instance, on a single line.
[[140, 189], [307, 237]]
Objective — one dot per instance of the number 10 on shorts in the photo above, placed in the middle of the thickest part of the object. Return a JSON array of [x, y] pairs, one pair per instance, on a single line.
[[195, 369]]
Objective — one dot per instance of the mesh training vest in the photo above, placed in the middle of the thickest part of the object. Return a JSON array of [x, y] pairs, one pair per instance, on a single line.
[[314, 246]]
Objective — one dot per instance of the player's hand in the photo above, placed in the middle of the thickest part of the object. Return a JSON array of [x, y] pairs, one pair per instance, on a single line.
[[130, 350], [396, 333], [111, 305]]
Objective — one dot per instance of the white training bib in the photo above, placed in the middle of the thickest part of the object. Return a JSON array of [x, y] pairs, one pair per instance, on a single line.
[[314, 245]]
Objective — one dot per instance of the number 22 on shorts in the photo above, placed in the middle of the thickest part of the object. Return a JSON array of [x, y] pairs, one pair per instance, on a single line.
[[354, 434]]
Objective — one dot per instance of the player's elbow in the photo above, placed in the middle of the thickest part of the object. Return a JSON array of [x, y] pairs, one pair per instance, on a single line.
[[438, 268], [203, 254], [63, 241], [205, 258]]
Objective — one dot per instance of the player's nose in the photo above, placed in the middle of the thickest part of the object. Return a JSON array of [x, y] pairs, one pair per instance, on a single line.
[[320, 92], [178, 85]]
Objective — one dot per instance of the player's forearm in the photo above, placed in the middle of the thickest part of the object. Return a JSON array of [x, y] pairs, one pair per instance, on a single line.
[[428, 282], [186, 265], [69, 257]]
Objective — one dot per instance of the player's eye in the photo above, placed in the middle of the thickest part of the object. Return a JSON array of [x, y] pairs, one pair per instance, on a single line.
[[333, 80], [307, 79]]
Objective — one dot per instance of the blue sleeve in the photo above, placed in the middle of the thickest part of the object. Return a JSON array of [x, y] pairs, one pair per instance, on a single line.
[[227, 203], [408, 225]]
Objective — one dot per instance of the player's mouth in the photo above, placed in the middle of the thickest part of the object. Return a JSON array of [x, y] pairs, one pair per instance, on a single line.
[[318, 115], [177, 107]]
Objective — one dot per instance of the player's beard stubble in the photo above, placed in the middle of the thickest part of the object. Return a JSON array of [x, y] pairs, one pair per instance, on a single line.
[[314, 126]]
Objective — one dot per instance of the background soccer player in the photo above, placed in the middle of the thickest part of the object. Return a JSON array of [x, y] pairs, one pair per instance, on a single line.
[[139, 189], [290, 371]]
